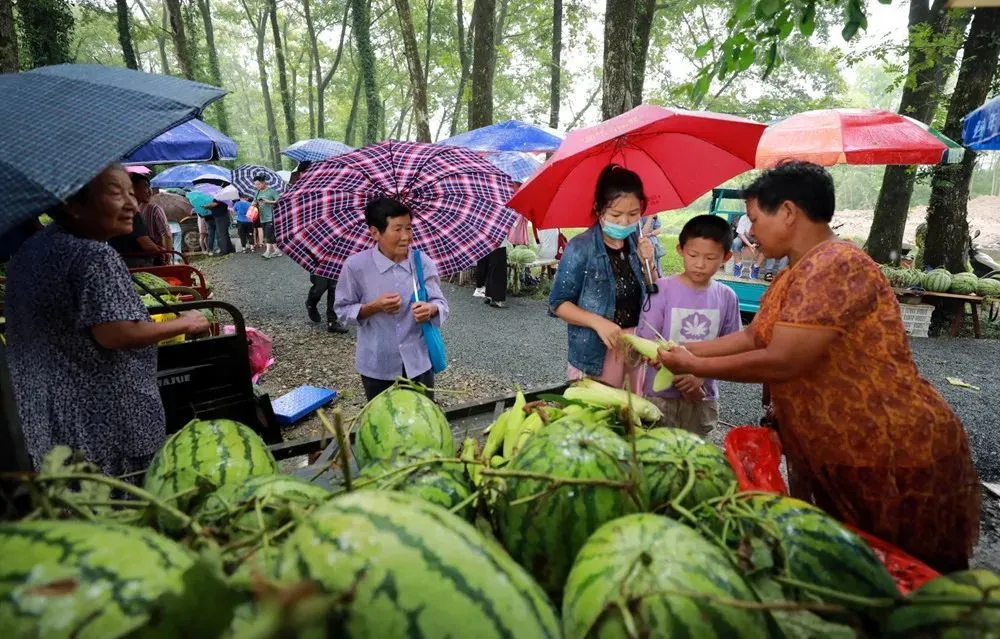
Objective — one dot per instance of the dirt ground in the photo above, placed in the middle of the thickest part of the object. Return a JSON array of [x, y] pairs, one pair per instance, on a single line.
[[984, 216]]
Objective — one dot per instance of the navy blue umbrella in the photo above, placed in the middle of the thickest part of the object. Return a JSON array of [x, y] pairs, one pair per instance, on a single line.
[[981, 128], [315, 150], [245, 175], [511, 135], [62, 125], [184, 175], [192, 141]]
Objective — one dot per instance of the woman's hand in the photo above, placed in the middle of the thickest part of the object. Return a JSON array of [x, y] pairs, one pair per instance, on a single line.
[[196, 323], [607, 330], [678, 360], [645, 249]]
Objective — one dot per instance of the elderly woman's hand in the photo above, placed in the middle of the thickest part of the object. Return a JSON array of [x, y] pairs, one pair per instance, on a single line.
[[678, 360], [197, 323]]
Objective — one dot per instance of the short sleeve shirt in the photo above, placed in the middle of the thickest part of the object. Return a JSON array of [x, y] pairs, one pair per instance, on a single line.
[[69, 389], [266, 210], [744, 225]]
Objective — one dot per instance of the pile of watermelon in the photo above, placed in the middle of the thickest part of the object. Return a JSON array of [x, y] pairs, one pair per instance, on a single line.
[[941, 280], [574, 518]]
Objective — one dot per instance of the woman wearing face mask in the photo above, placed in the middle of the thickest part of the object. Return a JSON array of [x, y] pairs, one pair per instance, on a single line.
[[599, 288], [80, 343]]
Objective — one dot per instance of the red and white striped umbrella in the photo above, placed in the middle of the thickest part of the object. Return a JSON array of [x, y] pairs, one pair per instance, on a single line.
[[854, 136], [458, 200]]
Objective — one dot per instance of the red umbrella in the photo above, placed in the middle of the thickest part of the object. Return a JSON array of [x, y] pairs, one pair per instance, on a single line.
[[678, 154], [854, 136]]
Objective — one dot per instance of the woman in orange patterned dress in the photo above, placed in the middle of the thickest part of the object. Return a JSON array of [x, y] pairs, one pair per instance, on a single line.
[[878, 446]]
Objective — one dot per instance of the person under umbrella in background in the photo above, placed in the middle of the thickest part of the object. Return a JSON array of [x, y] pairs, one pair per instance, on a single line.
[[81, 344], [153, 217], [374, 293], [265, 199], [222, 221], [244, 225], [599, 288], [871, 441]]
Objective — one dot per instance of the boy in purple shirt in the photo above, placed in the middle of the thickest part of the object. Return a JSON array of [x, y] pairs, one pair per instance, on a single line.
[[374, 293], [692, 307]]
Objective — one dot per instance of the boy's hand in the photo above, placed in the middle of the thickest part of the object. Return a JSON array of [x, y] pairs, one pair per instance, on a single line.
[[389, 303], [424, 311], [690, 387]]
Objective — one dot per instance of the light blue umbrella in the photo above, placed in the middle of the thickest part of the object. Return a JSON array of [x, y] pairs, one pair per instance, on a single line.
[[183, 176], [192, 141], [315, 150], [511, 135], [519, 166], [981, 128], [64, 124]]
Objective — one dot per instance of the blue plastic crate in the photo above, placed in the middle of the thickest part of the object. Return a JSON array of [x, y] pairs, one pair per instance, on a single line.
[[294, 405]]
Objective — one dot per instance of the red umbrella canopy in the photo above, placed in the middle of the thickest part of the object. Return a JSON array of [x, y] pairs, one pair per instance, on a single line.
[[854, 136], [679, 155], [458, 200]]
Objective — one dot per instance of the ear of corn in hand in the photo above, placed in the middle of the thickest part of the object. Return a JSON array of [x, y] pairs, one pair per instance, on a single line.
[[597, 394], [650, 350]]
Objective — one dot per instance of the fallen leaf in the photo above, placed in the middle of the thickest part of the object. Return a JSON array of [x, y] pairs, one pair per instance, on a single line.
[[954, 381]]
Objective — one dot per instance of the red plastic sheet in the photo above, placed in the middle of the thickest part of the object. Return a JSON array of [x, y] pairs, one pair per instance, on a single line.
[[754, 452]]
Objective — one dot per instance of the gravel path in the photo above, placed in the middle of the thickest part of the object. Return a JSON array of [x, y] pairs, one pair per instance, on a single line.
[[490, 350]]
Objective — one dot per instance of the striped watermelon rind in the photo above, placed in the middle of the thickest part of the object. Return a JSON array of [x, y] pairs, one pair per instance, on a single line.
[[409, 568], [83, 579], [400, 418], [988, 287], [205, 455], [544, 534], [633, 560], [937, 281], [236, 503], [962, 620], [815, 548], [441, 483], [668, 456]]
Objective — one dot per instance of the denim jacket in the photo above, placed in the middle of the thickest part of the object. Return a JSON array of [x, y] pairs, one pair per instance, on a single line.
[[585, 278]]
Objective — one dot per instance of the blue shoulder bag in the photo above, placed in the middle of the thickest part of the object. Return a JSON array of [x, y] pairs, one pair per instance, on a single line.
[[431, 333]]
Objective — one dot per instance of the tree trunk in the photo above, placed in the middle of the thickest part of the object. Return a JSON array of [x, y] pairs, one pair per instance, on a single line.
[[353, 117], [361, 10], [125, 34], [46, 26], [317, 69], [947, 223], [215, 75], [325, 80], [644, 12], [193, 46], [483, 65], [259, 24], [427, 41], [555, 70], [619, 28], [419, 88], [279, 53], [310, 95], [500, 25], [161, 42], [921, 94], [8, 38], [173, 8], [464, 58]]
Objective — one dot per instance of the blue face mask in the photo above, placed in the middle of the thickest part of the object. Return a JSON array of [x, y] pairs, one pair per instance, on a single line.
[[619, 232]]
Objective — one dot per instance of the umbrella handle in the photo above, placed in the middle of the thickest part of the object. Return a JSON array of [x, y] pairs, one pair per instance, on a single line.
[[647, 270]]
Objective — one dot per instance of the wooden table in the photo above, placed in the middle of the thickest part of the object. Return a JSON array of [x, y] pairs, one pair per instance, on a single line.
[[956, 302]]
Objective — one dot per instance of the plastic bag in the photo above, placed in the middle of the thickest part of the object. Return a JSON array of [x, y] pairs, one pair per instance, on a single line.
[[253, 213], [754, 452], [259, 348]]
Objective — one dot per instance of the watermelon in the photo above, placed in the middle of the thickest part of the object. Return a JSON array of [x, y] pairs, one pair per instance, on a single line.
[[963, 285], [909, 277], [151, 281], [83, 579], [521, 255], [988, 287], [805, 544], [937, 281], [544, 534], [400, 418], [669, 456], [275, 495], [403, 567], [950, 620], [203, 456], [440, 483], [633, 562]]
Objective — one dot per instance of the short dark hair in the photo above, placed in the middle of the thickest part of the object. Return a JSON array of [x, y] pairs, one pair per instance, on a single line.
[[138, 177], [708, 227], [379, 210], [260, 177], [614, 182], [809, 186]]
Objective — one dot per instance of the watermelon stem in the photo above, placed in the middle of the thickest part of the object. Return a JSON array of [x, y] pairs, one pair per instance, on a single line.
[[132, 489], [465, 502], [556, 483]]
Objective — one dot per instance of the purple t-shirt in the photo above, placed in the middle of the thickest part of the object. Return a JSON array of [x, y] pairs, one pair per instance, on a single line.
[[683, 314]]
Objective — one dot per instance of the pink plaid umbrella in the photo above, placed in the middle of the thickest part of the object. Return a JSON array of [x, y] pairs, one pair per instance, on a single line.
[[458, 200]]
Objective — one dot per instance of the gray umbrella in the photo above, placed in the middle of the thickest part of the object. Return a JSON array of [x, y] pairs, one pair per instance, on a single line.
[[64, 124]]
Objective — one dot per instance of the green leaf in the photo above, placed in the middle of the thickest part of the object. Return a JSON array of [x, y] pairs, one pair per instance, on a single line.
[[704, 48], [742, 9], [746, 59], [785, 25], [203, 609], [767, 8], [807, 23], [771, 60], [850, 29]]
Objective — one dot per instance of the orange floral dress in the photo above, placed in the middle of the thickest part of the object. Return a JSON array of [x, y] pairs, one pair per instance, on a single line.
[[877, 444]]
